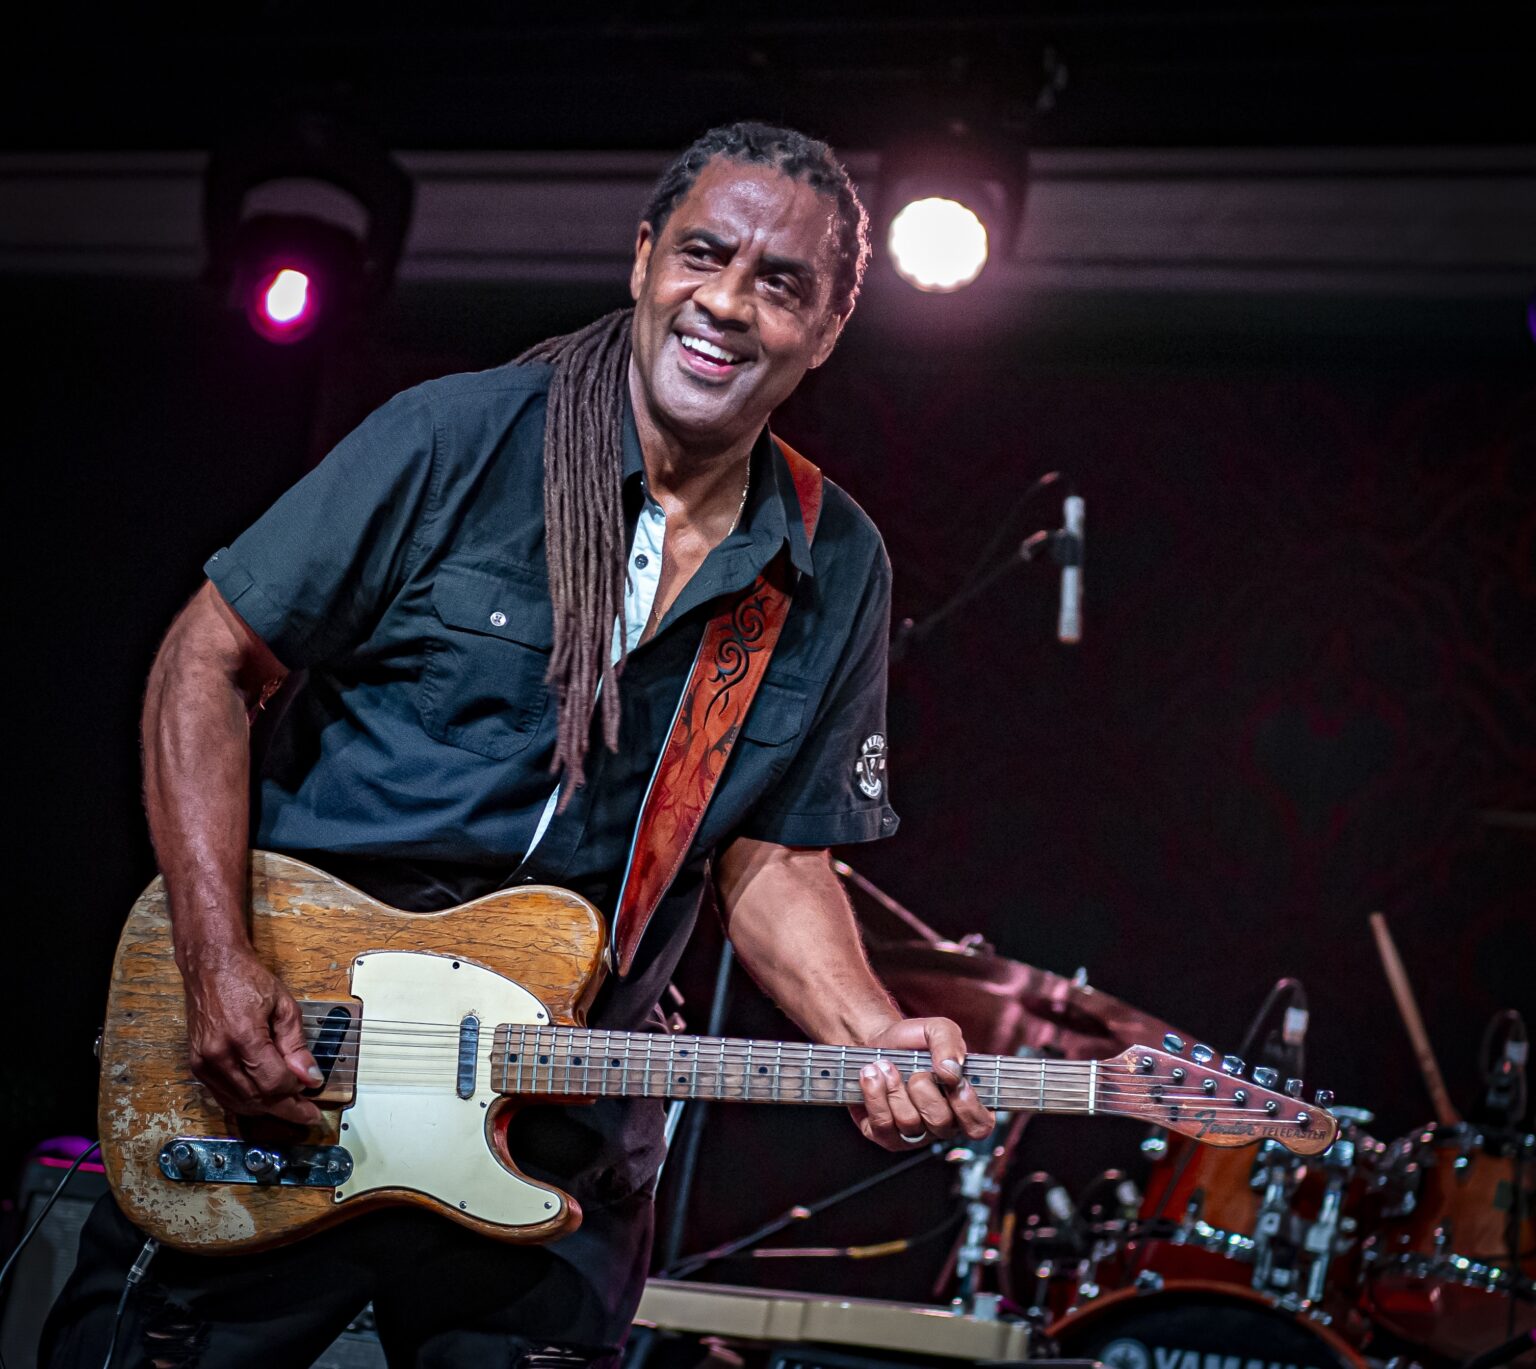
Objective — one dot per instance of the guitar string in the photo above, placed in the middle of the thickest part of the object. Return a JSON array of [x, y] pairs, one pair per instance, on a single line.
[[563, 1050], [1020, 1071], [444, 1059], [447, 1032], [1013, 1098], [1021, 1087]]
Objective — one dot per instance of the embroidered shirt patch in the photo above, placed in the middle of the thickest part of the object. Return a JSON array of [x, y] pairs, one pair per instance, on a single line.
[[869, 771]]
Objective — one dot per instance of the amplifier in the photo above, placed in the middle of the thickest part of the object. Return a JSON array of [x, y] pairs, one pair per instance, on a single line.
[[46, 1263]]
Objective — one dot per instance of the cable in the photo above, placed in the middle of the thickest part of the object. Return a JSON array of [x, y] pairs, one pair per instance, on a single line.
[[135, 1277], [10, 1263], [879, 1250]]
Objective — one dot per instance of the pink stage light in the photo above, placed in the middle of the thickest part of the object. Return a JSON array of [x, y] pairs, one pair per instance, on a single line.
[[285, 300], [284, 303]]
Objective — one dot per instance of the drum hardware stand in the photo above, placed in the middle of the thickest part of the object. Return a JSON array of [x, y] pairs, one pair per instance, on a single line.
[[1323, 1235], [978, 1188], [982, 1164], [1277, 1177]]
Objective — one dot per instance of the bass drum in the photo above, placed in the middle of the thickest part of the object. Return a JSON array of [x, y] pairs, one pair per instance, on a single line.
[[1184, 1324]]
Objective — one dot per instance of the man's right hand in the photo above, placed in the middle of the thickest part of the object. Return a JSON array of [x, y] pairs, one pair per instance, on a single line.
[[245, 1035]]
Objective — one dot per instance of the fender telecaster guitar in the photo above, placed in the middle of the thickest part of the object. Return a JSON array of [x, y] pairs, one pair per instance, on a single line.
[[431, 1027]]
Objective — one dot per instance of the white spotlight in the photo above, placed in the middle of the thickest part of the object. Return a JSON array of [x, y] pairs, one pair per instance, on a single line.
[[937, 244]]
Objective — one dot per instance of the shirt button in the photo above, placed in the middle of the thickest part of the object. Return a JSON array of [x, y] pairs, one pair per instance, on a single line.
[[498, 619], [642, 560]]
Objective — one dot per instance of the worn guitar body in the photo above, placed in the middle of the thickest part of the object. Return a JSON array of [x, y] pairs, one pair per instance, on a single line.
[[406, 1143]]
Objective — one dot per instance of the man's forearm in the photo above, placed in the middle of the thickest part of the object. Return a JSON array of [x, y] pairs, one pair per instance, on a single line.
[[196, 778], [791, 924]]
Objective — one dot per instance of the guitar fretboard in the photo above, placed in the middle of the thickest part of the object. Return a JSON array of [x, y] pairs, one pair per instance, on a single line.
[[589, 1062]]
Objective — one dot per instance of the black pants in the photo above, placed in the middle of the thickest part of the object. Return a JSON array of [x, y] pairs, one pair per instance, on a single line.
[[443, 1298]]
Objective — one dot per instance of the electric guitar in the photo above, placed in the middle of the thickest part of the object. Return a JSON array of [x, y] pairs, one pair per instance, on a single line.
[[431, 1028]]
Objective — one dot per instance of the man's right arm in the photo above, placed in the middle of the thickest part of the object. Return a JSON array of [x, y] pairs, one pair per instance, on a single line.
[[244, 1031]]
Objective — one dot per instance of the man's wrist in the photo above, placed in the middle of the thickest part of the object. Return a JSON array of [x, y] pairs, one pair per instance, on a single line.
[[211, 952], [863, 1028]]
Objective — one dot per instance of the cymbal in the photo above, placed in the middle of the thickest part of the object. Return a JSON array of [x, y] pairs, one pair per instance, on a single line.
[[1004, 1005]]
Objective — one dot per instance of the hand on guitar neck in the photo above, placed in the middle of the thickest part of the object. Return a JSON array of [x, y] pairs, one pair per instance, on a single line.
[[929, 1105]]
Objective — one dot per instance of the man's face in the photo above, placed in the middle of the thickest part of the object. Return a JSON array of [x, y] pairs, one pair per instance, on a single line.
[[733, 301]]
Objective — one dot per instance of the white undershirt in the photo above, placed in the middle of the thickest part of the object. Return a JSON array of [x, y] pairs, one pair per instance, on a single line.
[[641, 579]]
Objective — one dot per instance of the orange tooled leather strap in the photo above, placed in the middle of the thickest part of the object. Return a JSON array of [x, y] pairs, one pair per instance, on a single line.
[[732, 660]]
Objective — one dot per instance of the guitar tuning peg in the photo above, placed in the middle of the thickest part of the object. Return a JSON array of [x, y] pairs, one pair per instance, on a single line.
[[1173, 1044], [1265, 1077], [1323, 1097], [1232, 1064], [1293, 1087], [1202, 1055]]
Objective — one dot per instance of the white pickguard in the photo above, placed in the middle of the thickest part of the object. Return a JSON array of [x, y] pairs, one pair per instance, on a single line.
[[407, 1127]]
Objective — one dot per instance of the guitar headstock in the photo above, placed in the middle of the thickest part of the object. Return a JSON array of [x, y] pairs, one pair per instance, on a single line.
[[1197, 1095]]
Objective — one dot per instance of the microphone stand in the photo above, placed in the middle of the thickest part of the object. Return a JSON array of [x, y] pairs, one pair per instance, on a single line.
[[911, 631]]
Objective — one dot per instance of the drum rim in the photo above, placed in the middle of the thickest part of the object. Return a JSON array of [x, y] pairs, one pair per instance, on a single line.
[[1327, 1334]]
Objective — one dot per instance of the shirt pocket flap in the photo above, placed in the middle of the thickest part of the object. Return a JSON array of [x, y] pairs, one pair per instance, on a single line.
[[510, 602], [776, 715]]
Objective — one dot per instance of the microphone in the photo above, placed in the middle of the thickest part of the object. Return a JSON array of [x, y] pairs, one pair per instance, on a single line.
[[1068, 547], [1504, 1067], [1293, 1031]]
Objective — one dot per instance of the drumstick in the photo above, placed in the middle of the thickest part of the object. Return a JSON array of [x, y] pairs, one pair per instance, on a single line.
[[1408, 1009]]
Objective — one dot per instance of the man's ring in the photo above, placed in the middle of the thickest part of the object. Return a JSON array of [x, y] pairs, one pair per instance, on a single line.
[[913, 1140]]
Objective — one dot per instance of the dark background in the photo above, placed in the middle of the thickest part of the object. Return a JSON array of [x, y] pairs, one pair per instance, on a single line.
[[1305, 689]]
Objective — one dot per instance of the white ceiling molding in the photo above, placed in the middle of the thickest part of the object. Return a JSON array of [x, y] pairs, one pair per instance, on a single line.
[[1445, 222]]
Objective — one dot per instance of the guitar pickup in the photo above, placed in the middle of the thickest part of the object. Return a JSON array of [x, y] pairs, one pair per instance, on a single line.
[[469, 1055], [331, 1034], [226, 1160]]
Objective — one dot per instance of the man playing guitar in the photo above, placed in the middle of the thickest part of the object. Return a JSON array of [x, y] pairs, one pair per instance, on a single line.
[[443, 608]]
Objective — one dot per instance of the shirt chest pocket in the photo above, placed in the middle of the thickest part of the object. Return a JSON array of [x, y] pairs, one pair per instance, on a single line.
[[483, 688], [776, 716]]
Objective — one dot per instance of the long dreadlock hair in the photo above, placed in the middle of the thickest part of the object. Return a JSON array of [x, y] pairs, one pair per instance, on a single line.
[[583, 437]]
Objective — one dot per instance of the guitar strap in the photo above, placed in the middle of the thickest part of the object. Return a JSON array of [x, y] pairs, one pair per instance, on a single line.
[[731, 662]]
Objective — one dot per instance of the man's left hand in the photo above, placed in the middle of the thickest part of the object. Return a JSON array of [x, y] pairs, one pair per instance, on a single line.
[[931, 1104]]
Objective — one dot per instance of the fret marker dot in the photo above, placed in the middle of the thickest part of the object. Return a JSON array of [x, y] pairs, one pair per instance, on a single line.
[[975, 1079], [543, 1060], [825, 1073], [511, 1059], [762, 1069], [614, 1064], [575, 1060], [682, 1079], [683, 1053]]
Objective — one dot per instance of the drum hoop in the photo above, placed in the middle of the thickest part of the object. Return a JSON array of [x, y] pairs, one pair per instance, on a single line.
[[1326, 1334]]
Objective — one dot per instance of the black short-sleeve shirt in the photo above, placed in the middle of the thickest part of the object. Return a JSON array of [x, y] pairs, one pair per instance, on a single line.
[[405, 576]]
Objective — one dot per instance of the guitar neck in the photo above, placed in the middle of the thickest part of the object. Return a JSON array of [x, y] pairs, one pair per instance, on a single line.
[[590, 1062]]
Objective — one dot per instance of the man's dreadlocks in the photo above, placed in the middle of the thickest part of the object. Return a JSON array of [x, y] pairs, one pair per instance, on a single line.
[[583, 436]]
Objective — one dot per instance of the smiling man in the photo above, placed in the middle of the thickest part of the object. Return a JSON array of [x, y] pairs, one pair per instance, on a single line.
[[495, 590]]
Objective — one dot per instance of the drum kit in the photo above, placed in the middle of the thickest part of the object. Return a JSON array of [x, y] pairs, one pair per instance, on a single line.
[[1422, 1249]]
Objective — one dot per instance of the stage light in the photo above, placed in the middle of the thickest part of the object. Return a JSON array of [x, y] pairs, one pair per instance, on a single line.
[[949, 204], [938, 244], [282, 304], [287, 297], [305, 221]]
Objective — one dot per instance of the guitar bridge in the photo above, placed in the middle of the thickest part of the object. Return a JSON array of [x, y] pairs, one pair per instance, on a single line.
[[225, 1160]]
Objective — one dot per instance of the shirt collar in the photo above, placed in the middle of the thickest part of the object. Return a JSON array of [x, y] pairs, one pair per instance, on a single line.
[[771, 518]]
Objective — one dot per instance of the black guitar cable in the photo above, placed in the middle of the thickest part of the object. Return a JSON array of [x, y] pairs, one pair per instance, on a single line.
[[135, 1277]]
